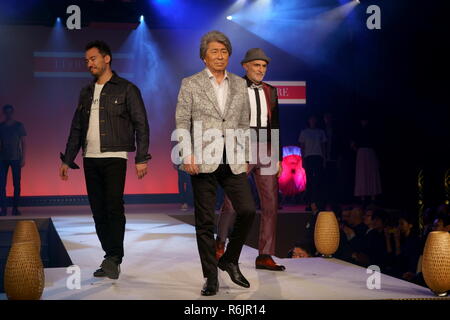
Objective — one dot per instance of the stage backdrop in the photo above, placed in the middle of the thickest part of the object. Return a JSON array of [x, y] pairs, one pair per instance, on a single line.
[[42, 72]]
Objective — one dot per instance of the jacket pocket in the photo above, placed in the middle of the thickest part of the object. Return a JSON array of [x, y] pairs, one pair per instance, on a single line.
[[116, 105]]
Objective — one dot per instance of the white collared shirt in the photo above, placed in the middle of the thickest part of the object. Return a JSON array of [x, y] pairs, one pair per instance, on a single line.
[[253, 107], [221, 89]]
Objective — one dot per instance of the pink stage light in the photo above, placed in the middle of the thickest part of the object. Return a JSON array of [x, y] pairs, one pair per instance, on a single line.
[[293, 178]]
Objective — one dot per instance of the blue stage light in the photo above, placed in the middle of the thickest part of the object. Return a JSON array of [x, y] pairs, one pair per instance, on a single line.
[[230, 18], [141, 19], [58, 20]]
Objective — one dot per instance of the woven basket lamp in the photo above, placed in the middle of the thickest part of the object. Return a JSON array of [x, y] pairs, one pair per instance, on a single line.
[[436, 262], [25, 231], [24, 272], [326, 234]]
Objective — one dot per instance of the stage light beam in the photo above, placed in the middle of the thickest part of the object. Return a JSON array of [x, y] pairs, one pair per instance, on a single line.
[[141, 19], [230, 18]]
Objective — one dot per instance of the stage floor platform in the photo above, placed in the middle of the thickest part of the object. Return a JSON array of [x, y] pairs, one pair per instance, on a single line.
[[161, 262]]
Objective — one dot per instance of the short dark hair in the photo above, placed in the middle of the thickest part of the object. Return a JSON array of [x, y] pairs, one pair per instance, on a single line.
[[380, 214], [409, 218], [7, 107], [304, 246], [102, 47], [445, 219]]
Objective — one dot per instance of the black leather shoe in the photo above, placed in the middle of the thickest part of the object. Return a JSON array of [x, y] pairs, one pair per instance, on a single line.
[[211, 287], [234, 273], [111, 267], [100, 273]]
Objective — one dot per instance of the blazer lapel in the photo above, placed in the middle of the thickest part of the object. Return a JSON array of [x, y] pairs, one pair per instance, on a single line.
[[230, 95], [268, 94], [209, 90]]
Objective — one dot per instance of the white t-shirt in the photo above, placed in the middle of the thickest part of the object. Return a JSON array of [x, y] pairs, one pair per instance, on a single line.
[[312, 139], [93, 134]]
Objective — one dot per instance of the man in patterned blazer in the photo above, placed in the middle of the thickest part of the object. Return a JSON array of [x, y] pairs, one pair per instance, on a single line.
[[213, 119]]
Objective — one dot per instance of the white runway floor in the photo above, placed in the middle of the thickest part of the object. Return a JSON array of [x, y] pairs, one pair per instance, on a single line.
[[161, 262]]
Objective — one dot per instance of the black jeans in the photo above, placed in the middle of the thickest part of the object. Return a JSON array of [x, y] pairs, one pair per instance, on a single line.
[[16, 175], [314, 178], [105, 182], [238, 190]]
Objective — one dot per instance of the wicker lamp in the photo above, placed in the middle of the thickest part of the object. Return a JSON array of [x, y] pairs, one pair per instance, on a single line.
[[25, 231], [326, 234], [24, 273], [436, 262]]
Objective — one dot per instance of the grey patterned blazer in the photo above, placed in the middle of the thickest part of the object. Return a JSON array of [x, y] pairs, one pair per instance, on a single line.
[[198, 112]]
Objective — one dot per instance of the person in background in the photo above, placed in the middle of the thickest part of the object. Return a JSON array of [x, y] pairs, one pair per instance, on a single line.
[[367, 219], [356, 230], [12, 155], [441, 223], [265, 123], [299, 251], [345, 215], [312, 143], [374, 251], [333, 158], [367, 176], [428, 217], [407, 250]]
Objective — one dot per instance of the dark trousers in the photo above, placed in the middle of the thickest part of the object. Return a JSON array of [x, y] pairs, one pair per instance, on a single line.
[[236, 187], [16, 175], [314, 175], [185, 187], [105, 182], [267, 188]]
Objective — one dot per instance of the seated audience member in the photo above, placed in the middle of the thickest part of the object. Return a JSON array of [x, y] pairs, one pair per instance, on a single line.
[[299, 251], [443, 209], [441, 223], [406, 250], [356, 229], [367, 219], [345, 215], [374, 249], [428, 218], [433, 222]]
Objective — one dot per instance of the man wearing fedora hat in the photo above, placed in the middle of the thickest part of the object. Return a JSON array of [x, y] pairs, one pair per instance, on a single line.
[[264, 122]]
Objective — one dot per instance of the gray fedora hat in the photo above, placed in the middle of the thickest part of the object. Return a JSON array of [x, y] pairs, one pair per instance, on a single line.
[[255, 54]]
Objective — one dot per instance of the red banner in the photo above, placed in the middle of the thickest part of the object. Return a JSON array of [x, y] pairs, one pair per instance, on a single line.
[[290, 92], [72, 65]]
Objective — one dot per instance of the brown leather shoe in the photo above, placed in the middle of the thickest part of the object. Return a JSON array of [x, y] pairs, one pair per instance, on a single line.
[[265, 261], [220, 248]]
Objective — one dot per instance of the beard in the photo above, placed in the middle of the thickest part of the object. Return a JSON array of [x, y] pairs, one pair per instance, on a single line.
[[97, 72]]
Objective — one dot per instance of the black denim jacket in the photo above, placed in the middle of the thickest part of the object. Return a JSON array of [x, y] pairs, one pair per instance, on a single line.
[[123, 121]]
